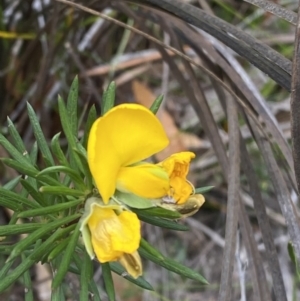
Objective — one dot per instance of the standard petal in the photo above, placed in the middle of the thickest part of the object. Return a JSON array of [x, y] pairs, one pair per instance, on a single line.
[[126, 134], [145, 180]]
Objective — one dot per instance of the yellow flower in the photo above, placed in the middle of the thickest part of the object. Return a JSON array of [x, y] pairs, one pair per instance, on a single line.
[[177, 167], [112, 234], [118, 142]]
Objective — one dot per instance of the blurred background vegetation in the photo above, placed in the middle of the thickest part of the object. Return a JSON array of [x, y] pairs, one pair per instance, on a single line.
[[44, 44]]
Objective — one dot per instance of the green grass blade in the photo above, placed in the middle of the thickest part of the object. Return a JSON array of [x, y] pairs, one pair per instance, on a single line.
[[158, 211], [11, 185], [34, 153], [57, 250], [36, 195], [203, 189], [39, 136]]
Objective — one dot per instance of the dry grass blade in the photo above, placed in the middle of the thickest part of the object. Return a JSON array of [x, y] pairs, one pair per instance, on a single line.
[[275, 9], [232, 203]]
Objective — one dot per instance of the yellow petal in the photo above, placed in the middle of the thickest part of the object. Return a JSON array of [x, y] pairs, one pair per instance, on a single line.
[[126, 134], [132, 263], [112, 234], [177, 167], [145, 180]]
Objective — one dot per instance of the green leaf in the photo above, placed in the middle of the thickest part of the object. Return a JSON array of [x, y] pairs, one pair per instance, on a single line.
[[163, 223], [156, 104], [66, 260], [134, 201], [65, 122], [72, 103], [44, 230], [108, 100], [39, 136], [61, 246], [17, 199], [36, 195], [85, 276], [92, 116], [18, 156], [18, 142], [28, 290], [47, 246], [60, 190], [34, 153], [159, 212], [17, 272], [12, 183], [108, 281], [141, 282], [49, 209], [201, 190], [68, 171], [85, 166], [173, 266], [57, 151], [5, 268], [19, 229], [151, 250]]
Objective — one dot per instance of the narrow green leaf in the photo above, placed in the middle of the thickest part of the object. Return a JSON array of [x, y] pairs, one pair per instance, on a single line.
[[65, 122], [18, 142], [46, 247], [163, 223], [151, 250], [70, 172], [17, 198], [85, 166], [5, 268], [72, 103], [85, 277], [34, 153], [108, 100], [159, 212], [49, 209], [28, 290], [156, 104], [41, 232], [141, 282], [94, 289], [63, 268], [18, 156], [7, 230], [108, 281], [173, 266], [57, 151], [16, 273], [36, 195], [201, 190], [58, 249], [12, 183], [39, 136], [60, 190], [92, 116]]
